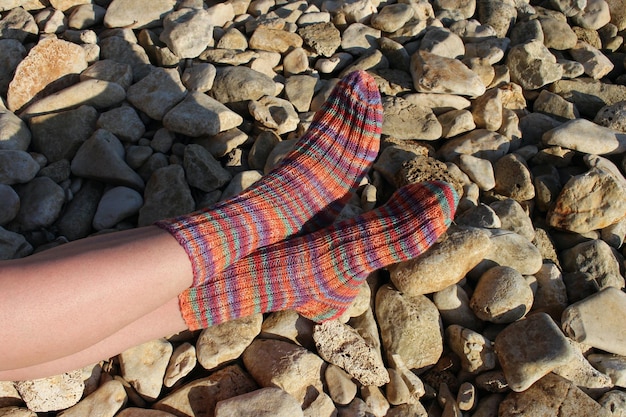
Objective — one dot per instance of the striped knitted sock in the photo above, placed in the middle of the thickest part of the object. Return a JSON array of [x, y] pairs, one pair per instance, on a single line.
[[327, 162], [319, 274]]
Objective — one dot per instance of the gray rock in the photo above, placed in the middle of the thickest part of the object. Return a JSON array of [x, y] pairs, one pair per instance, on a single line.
[[199, 77], [126, 52], [513, 178], [109, 70], [157, 93], [615, 402], [480, 216], [595, 258], [167, 195], [76, 220], [59, 135], [274, 113], [116, 204], [581, 372], [480, 143], [595, 64], [358, 39], [123, 122], [514, 218], [13, 245], [233, 84], [187, 32], [443, 42], [101, 158], [480, 171], [612, 366], [199, 115], [41, 202], [612, 116], [555, 106], [557, 33], [341, 387], [300, 89], [202, 170], [474, 350], [589, 95], [531, 348], [453, 305], [262, 402], [14, 133], [499, 15], [392, 17], [341, 345], [11, 53], [17, 167], [9, 204]]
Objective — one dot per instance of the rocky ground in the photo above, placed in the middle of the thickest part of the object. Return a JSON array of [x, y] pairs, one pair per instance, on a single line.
[[118, 113]]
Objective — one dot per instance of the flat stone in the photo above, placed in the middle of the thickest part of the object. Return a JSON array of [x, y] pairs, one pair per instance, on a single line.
[[454, 307], [17, 167], [456, 122], [615, 402], [128, 52], [513, 178], [137, 14], [49, 63], [51, 394], [512, 250], [11, 54], [182, 362], [513, 217], [357, 39], [274, 40], [480, 143], [106, 400], [589, 95], [392, 17], [323, 37], [595, 258], [613, 366], [479, 170], [582, 373], [550, 396], [157, 93], [595, 15], [275, 113], [262, 402], [341, 387], [595, 63], [199, 114], [123, 122], [487, 110]]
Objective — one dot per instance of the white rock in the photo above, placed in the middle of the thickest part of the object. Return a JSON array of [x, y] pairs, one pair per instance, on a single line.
[[144, 366]]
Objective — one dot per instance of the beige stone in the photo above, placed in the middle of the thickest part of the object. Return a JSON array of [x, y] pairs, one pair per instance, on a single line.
[[48, 67]]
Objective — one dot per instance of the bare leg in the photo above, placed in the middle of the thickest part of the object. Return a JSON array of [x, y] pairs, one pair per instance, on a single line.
[[166, 320], [64, 300]]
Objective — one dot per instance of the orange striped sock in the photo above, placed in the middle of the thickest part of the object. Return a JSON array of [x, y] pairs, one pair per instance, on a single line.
[[319, 274]]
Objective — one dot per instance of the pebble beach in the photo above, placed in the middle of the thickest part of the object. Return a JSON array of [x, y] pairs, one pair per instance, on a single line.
[[117, 113]]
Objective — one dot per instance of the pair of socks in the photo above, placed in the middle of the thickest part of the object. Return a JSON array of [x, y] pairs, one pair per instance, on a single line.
[[244, 252]]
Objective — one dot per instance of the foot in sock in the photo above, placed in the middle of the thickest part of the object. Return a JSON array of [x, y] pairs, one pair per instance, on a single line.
[[328, 161], [319, 274]]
